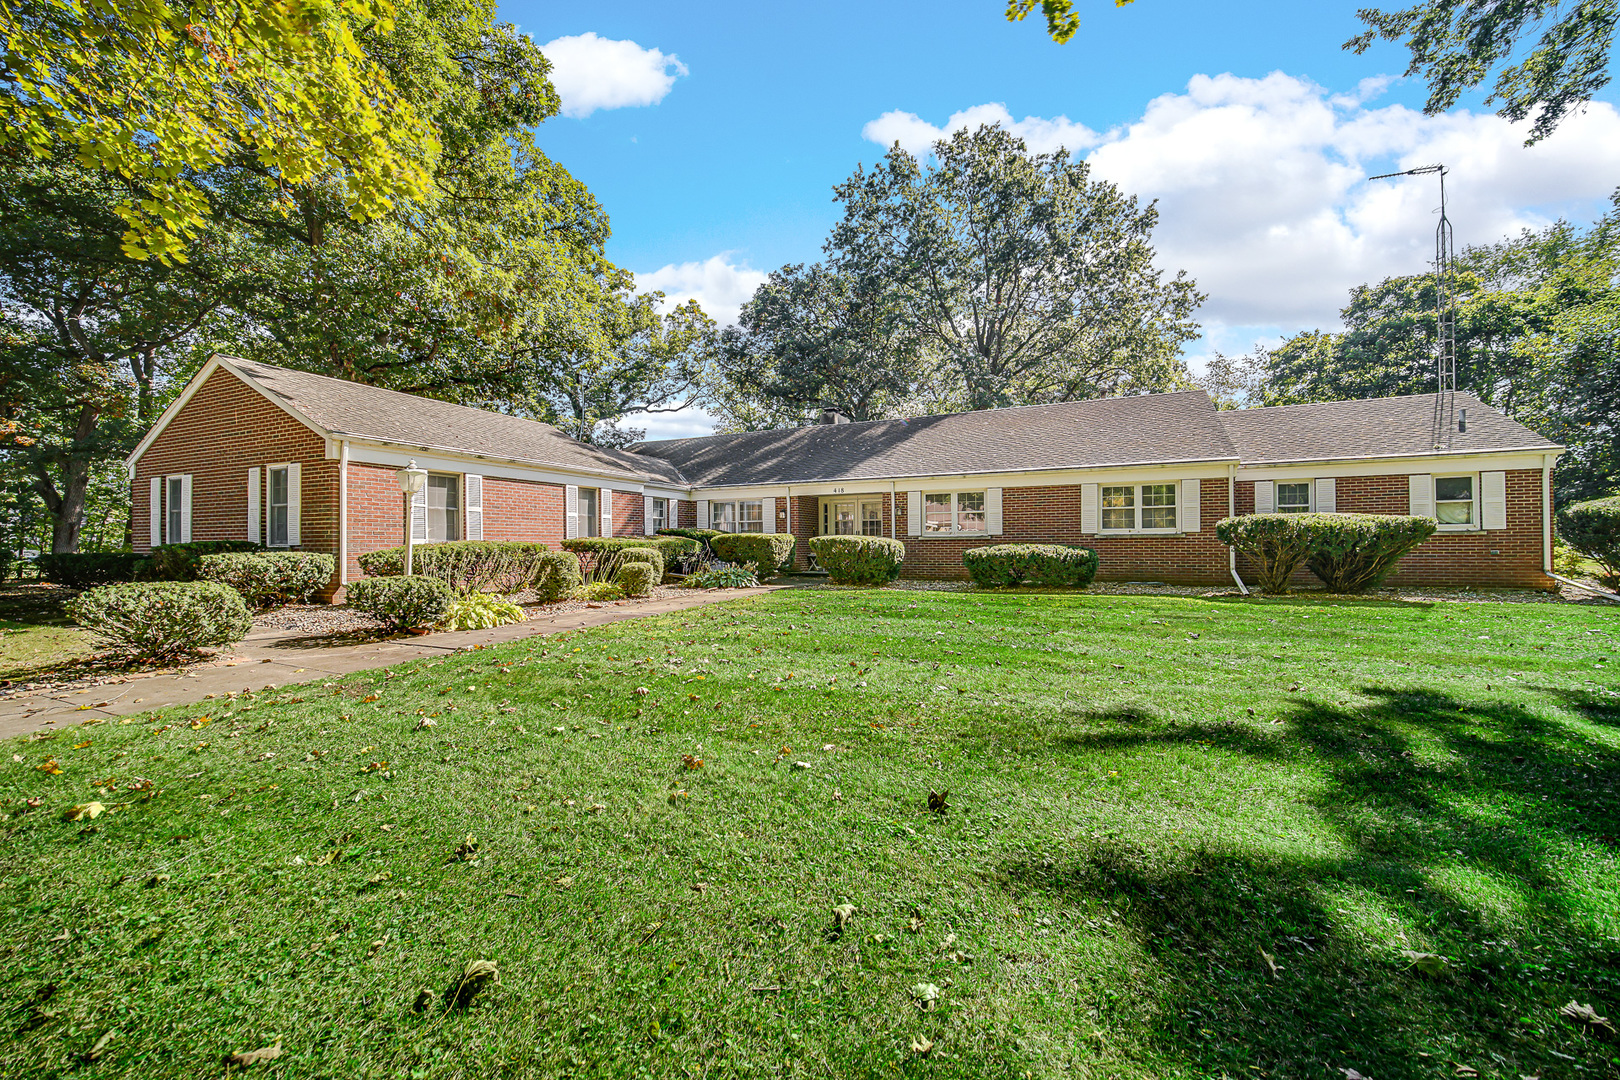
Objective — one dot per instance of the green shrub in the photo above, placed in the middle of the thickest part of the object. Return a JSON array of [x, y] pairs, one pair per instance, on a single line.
[[403, 603], [721, 577], [599, 590], [1030, 564], [1278, 544], [681, 551], [83, 569], [467, 566], [1353, 553], [1593, 529], [1566, 560], [267, 578], [859, 560], [600, 556], [481, 611], [556, 575], [636, 578], [646, 555], [178, 562], [702, 536], [156, 620], [771, 552]]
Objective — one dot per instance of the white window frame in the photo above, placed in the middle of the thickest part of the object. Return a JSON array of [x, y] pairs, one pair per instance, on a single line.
[[1138, 499], [729, 512], [1473, 522], [593, 520], [660, 514], [956, 512], [461, 507], [270, 506], [1310, 497], [174, 509]]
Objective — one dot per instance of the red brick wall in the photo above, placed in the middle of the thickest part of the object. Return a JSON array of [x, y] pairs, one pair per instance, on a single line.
[[685, 514], [1504, 558], [523, 510], [225, 429], [629, 514]]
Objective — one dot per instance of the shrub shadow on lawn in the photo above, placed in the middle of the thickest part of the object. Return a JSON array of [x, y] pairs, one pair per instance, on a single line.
[[1463, 824]]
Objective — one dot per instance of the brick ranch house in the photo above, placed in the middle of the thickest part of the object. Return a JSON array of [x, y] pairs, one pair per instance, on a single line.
[[293, 460]]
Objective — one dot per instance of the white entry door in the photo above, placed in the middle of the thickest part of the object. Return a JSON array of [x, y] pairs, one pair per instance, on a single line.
[[854, 516]]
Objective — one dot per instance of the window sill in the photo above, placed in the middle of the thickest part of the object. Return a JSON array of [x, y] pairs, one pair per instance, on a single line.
[[1142, 532]]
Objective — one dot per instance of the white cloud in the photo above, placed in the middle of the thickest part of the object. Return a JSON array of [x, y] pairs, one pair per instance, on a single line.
[[593, 73], [720, 286], [915, 134], [1263, 195]]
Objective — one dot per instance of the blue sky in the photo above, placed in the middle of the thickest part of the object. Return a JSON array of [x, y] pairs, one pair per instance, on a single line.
[[713, 135]]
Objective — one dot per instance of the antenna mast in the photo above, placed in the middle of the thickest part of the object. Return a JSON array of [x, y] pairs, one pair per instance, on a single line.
[[1445, 354]]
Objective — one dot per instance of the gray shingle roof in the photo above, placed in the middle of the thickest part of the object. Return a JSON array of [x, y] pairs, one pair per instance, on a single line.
[[359, 411], [1180, 427], [1375, 427]]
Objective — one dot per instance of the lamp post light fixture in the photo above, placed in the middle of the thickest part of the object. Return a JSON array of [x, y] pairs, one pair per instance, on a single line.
[[412, 481]]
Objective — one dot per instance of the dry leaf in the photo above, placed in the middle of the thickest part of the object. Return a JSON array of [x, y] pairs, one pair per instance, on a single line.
[[474, 977], [937, 801], [691, 762], [843, 913], [101, 1044], [87, 812], [253, 1057], [926, 995], [922, 1046], [1428, 963], [1351, 1074], [1585, 1014], [1271, 965]]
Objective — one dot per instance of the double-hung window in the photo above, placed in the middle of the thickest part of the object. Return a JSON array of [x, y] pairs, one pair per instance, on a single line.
[[443, 508], [1454, 501], [275, 503], [1139, 508], [1294, 498], [660, 514], [741, 516], [174, 510], [953, 512]]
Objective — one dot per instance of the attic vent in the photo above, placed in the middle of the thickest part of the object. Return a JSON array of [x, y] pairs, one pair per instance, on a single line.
[[1462, 419], [833, 416]]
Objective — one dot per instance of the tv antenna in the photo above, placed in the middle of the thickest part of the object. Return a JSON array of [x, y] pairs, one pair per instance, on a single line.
[[1445, 310]]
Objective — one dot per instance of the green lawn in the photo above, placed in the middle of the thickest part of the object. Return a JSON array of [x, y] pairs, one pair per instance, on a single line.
[[36, 636], [1145, 794]]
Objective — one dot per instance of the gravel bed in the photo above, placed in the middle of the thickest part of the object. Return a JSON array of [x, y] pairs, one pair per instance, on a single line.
[[1565, 595]]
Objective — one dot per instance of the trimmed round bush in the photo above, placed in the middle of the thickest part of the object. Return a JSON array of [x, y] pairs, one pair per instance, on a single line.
[[403, 603], [1278, 544], [859, 560], [481, 611], [178, 562], [771, 552], [85, 569], [1353, 553], [1593, 529], [636, 578], [1001, 565], [157, 620], [501, 566], [646, 555], [556, 575], [268, 578]]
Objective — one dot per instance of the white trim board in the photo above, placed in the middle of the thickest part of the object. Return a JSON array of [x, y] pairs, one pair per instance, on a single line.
[[364, 453], [1453, 463], [970, 481]]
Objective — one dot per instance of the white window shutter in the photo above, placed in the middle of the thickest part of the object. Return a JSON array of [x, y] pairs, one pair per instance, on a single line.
[[570, 512], [185, 509], [914, 513], [1192, 519], [646, 515], [767, 513], [157, 511], [992, 511], [1088, 508], [604, 511], [419, 517], [294, 503], [1327, 495], [1493, 500], [1420, 495], [253, 504], [475, 506], [703, 513], [1265, 497]]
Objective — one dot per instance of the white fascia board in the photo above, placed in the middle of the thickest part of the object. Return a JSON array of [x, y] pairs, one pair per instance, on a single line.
[[396, 456], [658, 492], [1398, 466], [596, 478], [1135, 474]]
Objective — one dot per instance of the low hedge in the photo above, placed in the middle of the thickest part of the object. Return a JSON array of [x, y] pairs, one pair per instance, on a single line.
[[403, 603], [268, 578], [859, 560], [556, 575], [636, 578], [702, 536], [771, 552], [647, 555], [1593, 529], [467, 566], [85, 569], [157, 620], [1353, 553], [1001, 565], [178, 562], [600, 556]]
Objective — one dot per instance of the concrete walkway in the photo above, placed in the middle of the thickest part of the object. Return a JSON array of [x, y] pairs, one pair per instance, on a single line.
[[272, 658]]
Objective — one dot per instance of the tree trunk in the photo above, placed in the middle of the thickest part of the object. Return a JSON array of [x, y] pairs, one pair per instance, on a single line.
[[65, 503]]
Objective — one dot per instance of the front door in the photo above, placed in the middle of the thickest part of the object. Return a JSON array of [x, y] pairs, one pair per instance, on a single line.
[[854, 516]]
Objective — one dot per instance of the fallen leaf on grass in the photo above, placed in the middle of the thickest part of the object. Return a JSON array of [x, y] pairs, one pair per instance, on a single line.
[[1428, 963], [843, 913], [922, 1046], [1585, 1014], [926, 996], [101, 1044], [938, 801], [253, 1057], [1351, 1074], [691, 762], [1465, 1070], [50, 766], [1271, 965], [474, 977]]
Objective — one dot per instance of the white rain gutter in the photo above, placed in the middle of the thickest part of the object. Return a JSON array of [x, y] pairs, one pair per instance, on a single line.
[[1231, 511]]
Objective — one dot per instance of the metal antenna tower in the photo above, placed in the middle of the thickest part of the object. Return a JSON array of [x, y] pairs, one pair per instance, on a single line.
[[1445, 353]]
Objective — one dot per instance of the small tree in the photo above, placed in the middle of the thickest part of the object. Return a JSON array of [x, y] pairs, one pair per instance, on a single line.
[[1593, 529]]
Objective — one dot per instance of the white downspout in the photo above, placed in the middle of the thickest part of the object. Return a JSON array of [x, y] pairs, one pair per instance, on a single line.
[[1546, 515], [343, 514], [1231, 511], [894, 512]]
